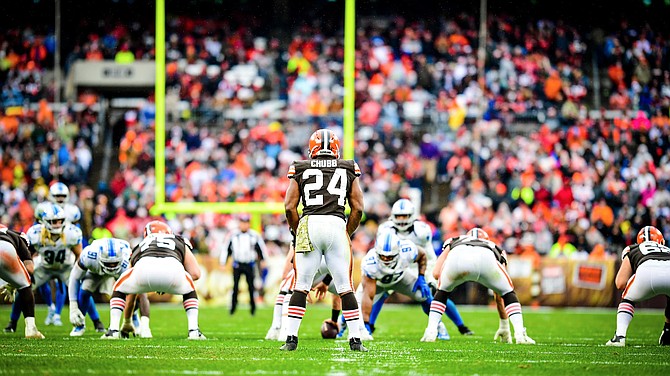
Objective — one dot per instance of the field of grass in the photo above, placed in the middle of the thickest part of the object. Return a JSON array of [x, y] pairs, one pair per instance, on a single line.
[[569, 342]]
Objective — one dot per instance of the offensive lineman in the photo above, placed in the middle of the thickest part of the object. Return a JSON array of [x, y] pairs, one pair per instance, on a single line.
[[403, 222], [16, 265], [321, 285], [323, 183], [474, 257], [644, 273], [162, 262]]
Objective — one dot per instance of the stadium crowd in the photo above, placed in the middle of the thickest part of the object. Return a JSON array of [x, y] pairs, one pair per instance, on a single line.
[[576, 185]]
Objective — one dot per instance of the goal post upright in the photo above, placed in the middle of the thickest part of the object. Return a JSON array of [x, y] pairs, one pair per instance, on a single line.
[[256, 209]]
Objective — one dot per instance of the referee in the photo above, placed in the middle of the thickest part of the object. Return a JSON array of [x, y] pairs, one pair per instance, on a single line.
[[245, 246]]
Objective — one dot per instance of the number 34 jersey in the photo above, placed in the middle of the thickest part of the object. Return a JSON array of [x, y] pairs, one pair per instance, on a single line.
[[384, 275], [324, 184], [161, 245], [54, 254]]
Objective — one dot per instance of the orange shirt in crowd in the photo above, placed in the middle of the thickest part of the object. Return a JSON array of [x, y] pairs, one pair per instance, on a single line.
[[603, 213]]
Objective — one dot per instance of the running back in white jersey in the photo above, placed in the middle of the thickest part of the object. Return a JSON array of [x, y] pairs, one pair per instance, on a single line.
[[385, 276], [90, 256], [419, 233], [55, 254]]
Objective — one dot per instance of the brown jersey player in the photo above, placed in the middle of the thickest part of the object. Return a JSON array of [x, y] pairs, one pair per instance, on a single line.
[[162, 262], [644, 273], [324, 184]]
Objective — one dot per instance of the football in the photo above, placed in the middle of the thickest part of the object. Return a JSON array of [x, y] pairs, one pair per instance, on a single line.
[[329, 329]]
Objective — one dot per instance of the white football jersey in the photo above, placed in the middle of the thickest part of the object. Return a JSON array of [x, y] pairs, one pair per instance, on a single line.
[[54, 254], [90, 256], [419, 233], [385, 276]]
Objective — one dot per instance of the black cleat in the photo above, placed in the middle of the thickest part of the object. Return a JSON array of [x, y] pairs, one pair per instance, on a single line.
[[291, 344], [664, 340], [617, 341], [111, 334], [11, 327], [464, 330], [99, 326], [355, 344]]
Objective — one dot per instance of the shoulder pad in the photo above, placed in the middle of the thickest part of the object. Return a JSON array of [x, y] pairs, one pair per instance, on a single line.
[[291, 171], [422, 230], [34, 234], [73, 234], [369, 265], [387, 225], [625, 252], [91, 251], [188, 243], [406, 243], [409, 249], [357, 169]]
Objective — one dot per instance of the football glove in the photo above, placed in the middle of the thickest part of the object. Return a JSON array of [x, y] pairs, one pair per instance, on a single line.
[[369, 327], [503, 332], [422, 286], [76, 317], [127, 329], [7, 293]]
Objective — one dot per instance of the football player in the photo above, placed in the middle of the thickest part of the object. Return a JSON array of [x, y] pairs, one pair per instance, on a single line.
[[59, 194], [324, 184], [321, 285], [644, 273], [58, 245], [16, 266], [404, 222], [474, 257], [101, 263], [161, 262], [387, 268]]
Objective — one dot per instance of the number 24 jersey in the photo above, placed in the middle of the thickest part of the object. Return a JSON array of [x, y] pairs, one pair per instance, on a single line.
[[324, 184]]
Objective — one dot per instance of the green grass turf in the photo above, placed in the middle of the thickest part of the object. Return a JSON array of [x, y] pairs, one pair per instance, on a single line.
[[569, 341]]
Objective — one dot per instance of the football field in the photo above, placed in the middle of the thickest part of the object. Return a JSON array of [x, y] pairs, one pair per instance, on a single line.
[[569, 342]]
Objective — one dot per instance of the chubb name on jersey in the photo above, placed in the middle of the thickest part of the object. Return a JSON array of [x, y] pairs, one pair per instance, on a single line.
[[323, 163]]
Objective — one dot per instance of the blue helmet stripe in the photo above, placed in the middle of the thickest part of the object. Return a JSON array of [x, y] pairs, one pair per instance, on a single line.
[[387, 243], [111, 251]]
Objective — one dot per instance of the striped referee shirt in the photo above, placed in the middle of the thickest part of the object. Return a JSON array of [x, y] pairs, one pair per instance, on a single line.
[[244, 247]]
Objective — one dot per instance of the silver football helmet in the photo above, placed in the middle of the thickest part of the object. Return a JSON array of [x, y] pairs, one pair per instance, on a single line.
[[387, 248], [53, 218], [59, 193], [403, 214], [110, 255]]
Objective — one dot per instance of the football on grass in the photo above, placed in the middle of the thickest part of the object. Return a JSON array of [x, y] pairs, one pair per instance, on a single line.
[[329, 329]]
